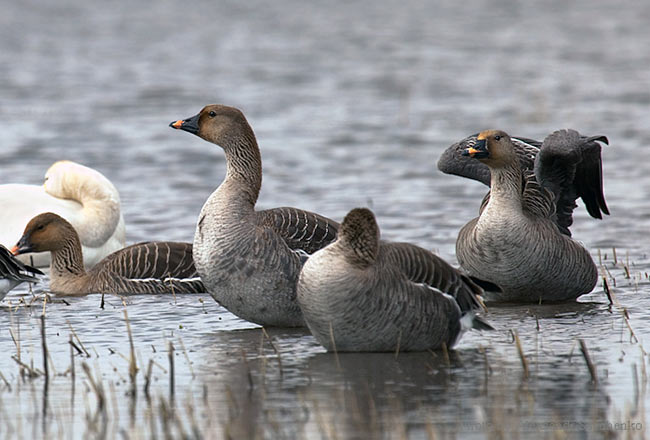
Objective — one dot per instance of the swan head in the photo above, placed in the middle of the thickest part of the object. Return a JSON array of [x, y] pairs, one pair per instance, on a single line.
[[45, 232], [219, 124], [360, 233], [492, 147]]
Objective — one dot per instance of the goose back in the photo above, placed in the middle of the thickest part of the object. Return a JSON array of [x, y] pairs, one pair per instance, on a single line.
[[158, 266]]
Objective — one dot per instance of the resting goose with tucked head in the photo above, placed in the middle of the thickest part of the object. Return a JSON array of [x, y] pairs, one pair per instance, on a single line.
[[13, 272], [364, 294], [250, 260], [518, 240], [152, 267], [81, 195]]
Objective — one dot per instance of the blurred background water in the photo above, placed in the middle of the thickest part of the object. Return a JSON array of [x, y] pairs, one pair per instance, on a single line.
[[352, 104]]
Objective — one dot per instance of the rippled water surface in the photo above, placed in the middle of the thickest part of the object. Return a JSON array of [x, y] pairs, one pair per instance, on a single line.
[[352, 103]]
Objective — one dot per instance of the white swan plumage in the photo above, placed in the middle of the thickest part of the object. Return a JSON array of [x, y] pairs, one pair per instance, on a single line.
[[81, 195]]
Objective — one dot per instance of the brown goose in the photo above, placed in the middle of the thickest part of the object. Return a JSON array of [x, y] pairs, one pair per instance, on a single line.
[[364, 294], [250, 260], [152, 267], [13, 272], [566, 163], [518, 242]]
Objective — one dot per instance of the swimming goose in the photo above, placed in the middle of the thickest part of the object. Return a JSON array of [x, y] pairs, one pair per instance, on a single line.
[[567, 163], [518, 242], [151, 267], [13, 272], [81, 195], [250, 260], [361, 293]]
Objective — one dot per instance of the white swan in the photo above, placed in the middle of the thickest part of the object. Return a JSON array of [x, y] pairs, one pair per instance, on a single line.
[[81, 195]]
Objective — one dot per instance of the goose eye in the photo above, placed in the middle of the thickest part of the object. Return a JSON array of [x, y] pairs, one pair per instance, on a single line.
[[212, 113], [497, 137], [40, 228]]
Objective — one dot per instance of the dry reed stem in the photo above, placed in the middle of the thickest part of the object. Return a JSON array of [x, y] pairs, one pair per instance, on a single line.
[[590, 364], [522, 356], [277, 352], [336, 354]]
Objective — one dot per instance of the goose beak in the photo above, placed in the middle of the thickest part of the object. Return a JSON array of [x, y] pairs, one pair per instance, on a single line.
[[478, 151], [190, 125], [22, 247]]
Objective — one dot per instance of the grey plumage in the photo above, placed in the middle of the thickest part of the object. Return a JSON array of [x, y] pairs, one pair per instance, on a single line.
[[151, 267], [566, 163], [250, 260], [363, 294], [14, 272], [517, 242]]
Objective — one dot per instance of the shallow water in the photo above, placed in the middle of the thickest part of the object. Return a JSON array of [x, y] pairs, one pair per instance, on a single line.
[[352, 104]]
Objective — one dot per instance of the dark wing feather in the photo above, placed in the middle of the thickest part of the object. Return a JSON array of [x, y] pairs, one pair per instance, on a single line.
[[453, 162], [422, 266], [156, 259], [589, 177], [300, 230], [570, 166], [13, 269]]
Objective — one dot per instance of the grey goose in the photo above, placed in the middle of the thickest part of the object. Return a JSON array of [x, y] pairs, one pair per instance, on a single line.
[[569, 165], [521, 241], [13, 272], [150, 267], [250, 260], [361, 293]]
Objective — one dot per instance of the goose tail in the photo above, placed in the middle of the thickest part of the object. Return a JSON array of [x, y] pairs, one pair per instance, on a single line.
[[471, 320]]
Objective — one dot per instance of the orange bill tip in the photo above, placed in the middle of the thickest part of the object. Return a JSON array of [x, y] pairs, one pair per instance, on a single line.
[[178, 124], [14, 250], [472, 151]]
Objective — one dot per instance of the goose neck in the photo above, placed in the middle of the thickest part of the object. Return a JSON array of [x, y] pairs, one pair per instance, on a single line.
[[68, 260], [506, 185], [244, 169]]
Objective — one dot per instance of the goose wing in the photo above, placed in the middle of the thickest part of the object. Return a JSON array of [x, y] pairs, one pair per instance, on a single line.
[[12, 269], [453, 162], [149, 260], [570, 166], [423, 267], [301, 230]]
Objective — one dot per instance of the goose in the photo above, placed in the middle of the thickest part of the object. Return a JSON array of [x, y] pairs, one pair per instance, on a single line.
[[81, 195], [520, 242], [14, 272], [150, 267], [250, 260], [569, 165], [361, 293]]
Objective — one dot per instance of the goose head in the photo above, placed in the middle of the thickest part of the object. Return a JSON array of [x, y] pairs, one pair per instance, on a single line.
[[219, 124], [494, 148], [45, 232], [360, 233]]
